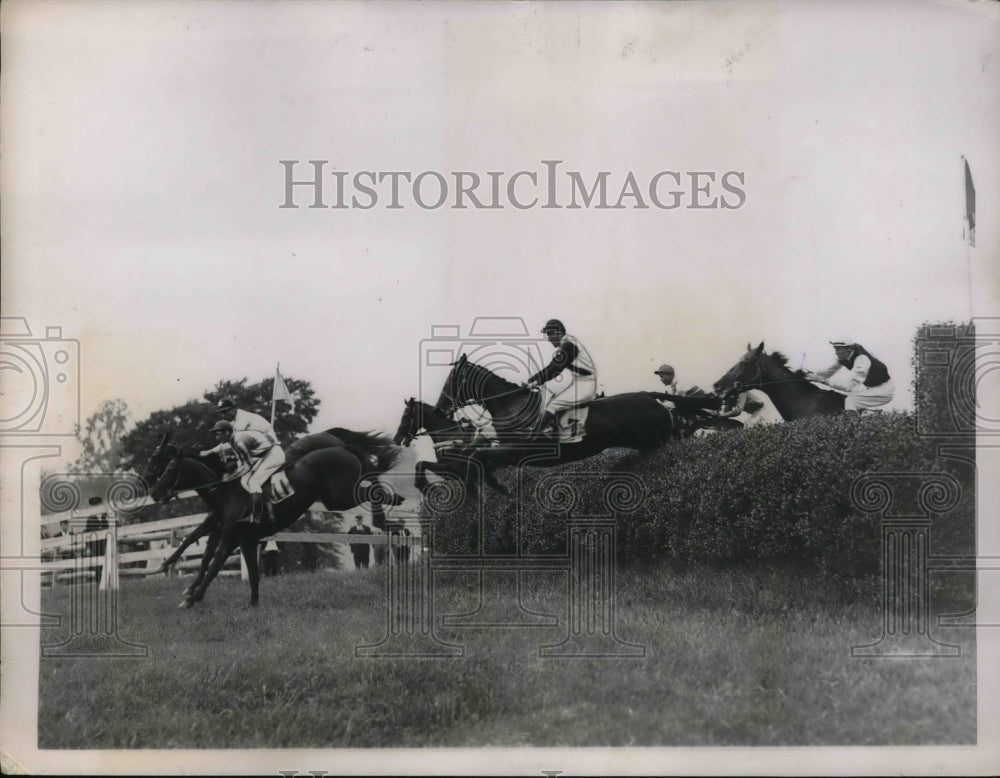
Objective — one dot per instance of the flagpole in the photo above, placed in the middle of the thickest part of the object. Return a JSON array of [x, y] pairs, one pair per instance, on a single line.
[[274, 387], [968, 275]]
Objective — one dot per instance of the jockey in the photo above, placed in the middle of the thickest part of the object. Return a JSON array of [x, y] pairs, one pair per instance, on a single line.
[[667, 377], [245, 420], [867, 383], [735, 403], [476, 416], [571, 356], [258, 456]]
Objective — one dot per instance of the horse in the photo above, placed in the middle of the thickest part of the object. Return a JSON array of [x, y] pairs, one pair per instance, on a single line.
[[631, 420], [211, 526], [794, 396], [420, 419], [336, 476]]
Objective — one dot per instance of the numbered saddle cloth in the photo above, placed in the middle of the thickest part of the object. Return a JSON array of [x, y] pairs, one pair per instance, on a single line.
[[572, 424], [280, 487]]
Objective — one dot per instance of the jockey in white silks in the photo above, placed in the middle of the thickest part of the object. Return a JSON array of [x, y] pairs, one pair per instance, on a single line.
[[481, 421], [572, 357], [746, 405], [860, 375], [259, 458], [245, 420], [475, 416]]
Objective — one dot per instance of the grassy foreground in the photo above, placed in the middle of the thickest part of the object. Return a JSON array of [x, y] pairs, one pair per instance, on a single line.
[[732, 658]]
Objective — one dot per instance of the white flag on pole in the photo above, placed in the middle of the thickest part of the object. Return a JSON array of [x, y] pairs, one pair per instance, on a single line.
[[280, 389], [970, 206]]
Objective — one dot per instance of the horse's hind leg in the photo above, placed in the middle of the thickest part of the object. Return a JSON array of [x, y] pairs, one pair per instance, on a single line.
[[248, 547]]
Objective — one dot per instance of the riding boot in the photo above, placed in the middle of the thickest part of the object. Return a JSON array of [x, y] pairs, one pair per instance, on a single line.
[[257, 511]]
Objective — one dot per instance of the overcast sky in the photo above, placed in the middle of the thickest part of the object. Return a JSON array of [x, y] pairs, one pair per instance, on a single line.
[[142, 185]]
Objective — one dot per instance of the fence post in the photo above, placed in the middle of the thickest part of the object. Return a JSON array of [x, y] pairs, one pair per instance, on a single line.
[[109, 570], [174, 543]]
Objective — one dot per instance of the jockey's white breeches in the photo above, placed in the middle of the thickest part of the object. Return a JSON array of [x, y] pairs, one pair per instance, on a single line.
[[254, 480], [869, 397], [580, 390]]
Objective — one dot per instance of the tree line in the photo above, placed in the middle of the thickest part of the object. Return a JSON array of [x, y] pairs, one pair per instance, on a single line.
[[110, 444]]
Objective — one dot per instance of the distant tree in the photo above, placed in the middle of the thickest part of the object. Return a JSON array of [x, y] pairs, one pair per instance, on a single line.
[[101, 437], [189, 424]]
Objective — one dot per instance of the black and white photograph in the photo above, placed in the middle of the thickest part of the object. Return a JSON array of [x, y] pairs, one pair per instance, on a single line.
[[476, 388]]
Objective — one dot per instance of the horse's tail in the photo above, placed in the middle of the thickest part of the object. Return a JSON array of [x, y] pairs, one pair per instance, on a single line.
[[381, 446]]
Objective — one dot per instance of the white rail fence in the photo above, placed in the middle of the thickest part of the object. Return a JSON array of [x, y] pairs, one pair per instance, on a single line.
[[74, 556]]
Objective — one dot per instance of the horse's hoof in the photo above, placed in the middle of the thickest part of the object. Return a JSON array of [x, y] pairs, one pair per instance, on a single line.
[[185, 603]]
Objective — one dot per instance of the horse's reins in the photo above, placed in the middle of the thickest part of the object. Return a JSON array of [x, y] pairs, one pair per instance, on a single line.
[[174, 491], [455, 404], [756, 383]]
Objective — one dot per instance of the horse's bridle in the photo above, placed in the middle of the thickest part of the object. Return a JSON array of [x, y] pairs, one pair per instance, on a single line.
[[415, 426], [756, 383], [173, 490]]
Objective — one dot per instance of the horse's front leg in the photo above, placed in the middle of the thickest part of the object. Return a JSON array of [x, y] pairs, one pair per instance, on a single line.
[[382, 494], [193, 537], [227, 542], [248, 547], [481, 465], [489, 473], [420, 482], [211, 545]]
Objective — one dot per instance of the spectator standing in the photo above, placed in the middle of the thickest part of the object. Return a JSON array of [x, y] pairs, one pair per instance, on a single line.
[[360, 551], [270, 554]]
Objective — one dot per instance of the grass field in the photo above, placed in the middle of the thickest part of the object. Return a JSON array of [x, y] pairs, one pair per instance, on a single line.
[[732, 658]]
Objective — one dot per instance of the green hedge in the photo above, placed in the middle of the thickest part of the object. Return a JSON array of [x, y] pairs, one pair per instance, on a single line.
[[769, 494]]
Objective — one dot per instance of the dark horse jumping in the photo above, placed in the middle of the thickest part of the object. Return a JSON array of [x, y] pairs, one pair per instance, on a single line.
[[633, 420], [793, 395], [418, 419], [340, 476]]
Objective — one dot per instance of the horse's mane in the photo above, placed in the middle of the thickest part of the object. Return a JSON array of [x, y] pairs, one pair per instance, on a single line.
[[479, 369], [782, 361], [213, 463], [372, 443]]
